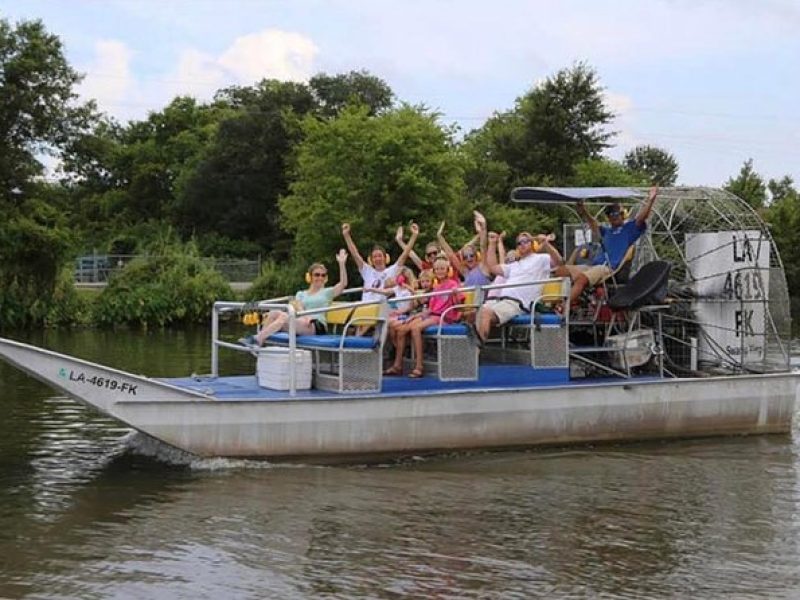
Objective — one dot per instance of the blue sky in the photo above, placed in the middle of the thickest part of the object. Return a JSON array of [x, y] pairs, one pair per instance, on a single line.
[[715, 82]]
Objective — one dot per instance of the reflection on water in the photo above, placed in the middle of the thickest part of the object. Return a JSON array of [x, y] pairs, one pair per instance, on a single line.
[[89, 509]]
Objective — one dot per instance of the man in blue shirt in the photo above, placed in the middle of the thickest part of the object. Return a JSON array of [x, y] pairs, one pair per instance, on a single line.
[[616, 237]]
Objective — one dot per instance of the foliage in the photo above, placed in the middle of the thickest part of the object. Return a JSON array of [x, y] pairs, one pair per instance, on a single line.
[[169, 286], [748, 185], [334, 92], [375, 173], [558, 123], [604, 172], [783, 215], [37, 116], [659, 166], [37, 113], [276, 280], [235, 188]]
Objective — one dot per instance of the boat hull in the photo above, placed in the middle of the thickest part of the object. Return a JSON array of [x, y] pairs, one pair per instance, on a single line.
[[486, 419], [337, 427]]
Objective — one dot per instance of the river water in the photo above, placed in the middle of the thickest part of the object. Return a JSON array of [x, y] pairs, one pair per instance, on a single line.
[[89, 509]]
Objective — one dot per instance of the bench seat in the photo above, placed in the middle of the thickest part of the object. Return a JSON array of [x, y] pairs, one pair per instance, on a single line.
[[332, 341]]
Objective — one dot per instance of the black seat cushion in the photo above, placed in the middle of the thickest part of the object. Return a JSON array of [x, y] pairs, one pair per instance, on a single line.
[[647, 286]]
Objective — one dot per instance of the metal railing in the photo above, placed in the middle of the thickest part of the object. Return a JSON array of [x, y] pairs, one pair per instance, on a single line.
[[98, 268]]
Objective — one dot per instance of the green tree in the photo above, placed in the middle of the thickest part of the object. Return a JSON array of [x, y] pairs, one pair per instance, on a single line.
[[234, 189], [334, 92], [783, 216], [659, 166], [604, 172], [375, 173], [38, 116], [558, 123], [748, 185]]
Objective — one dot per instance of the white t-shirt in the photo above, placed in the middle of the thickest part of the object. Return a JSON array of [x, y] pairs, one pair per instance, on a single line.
[[531, 268], [376, 279]]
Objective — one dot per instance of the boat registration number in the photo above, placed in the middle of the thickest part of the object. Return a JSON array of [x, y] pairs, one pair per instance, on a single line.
[[104, 382]]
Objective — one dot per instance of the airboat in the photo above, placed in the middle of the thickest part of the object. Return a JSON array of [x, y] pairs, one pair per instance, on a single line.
[[693, 340]]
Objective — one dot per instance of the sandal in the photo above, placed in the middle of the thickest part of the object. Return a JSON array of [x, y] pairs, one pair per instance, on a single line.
[[416, 374], [393, 370]]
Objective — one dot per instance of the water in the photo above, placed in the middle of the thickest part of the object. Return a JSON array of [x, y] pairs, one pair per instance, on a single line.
[[89, 509]]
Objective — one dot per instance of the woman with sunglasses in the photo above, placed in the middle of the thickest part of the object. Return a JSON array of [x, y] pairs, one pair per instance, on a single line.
[[316, 296]]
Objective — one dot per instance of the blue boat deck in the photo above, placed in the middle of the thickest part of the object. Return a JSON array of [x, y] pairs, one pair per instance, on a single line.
[[245, 387]]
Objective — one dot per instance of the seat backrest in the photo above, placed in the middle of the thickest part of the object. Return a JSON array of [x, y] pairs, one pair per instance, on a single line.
[[647, 286], [340, 316]]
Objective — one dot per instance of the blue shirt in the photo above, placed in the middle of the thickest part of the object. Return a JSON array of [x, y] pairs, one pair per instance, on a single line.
[[616, 242]]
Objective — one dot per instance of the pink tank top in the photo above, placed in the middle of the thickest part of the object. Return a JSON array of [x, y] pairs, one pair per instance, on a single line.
[[438, 304]]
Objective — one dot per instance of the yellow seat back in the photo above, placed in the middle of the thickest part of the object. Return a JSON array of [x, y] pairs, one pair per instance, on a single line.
[[340, 316], [552, 292]]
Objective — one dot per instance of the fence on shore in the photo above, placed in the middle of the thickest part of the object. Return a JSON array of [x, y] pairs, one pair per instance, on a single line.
[[98, 268]]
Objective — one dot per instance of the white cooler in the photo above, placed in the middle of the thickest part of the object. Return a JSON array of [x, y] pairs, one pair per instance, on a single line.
[[272, 368]]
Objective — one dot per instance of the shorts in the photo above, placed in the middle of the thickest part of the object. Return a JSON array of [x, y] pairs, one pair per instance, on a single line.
[[320, 328], [505, 309], [594, 273]]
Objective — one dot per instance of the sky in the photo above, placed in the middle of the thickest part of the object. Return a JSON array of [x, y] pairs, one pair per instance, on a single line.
[[714, 82]]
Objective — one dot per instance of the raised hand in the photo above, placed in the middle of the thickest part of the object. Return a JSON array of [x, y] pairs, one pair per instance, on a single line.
[[440, 230], [493, 237], [414, 229], [345, 229], [398, 236], [341, 257]]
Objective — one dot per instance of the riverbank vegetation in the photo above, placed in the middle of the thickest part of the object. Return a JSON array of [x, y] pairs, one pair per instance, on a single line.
[[273, 169]]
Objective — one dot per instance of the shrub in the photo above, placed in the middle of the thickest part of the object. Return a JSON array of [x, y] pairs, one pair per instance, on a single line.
[[170, 286], [275, 281]]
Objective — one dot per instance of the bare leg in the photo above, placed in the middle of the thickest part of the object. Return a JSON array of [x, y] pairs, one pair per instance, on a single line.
[[579, 284], [416, 335], [486, 318], [275, 322], [400, 348]]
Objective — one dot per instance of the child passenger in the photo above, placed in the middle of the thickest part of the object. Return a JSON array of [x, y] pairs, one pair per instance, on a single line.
[[431, 315]]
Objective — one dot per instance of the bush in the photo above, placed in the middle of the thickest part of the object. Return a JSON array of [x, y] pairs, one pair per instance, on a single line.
[[275, 281], [169, 286]]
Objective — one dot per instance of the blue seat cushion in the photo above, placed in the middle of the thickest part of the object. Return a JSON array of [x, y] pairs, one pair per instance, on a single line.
[[326, 341], [452, 329], [540, 319]]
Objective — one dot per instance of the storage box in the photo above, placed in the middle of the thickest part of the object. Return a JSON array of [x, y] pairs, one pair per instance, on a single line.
[[272, 368], [638, 347]]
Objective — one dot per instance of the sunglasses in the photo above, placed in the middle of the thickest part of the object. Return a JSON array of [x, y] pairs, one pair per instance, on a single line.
[[614, 213], [469, 256], [319, 274], [523, 241], [432, 253]]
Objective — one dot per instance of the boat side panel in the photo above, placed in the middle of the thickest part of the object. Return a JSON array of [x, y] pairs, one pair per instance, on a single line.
[[472, 420]]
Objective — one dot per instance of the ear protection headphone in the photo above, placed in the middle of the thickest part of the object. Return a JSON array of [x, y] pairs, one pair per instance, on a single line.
[[450, 275], [477, 254]]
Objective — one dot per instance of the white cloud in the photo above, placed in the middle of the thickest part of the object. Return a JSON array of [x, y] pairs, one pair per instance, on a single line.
[[623, 108], [272, 54], [109, 80]]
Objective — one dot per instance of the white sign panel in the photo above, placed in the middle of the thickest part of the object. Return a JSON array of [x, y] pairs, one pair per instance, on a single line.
[[731, 279]]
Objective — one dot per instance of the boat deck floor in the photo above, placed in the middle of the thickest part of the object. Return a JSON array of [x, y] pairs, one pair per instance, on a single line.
[[491, 377]]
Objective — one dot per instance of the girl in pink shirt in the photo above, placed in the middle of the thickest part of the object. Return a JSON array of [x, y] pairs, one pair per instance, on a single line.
[[432, 315]]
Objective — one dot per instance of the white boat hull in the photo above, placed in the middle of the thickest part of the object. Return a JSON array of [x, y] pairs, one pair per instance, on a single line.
[[344, 427]]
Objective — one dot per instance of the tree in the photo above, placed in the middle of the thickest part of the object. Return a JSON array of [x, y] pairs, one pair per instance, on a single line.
[[37, 116], [604, 172], [659, 166], [375, 173], [234, 189], [748, 185], [334, 92], [558, 123]]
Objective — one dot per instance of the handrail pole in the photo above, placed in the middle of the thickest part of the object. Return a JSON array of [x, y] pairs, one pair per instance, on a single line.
[[292, 350], [214, 338]]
